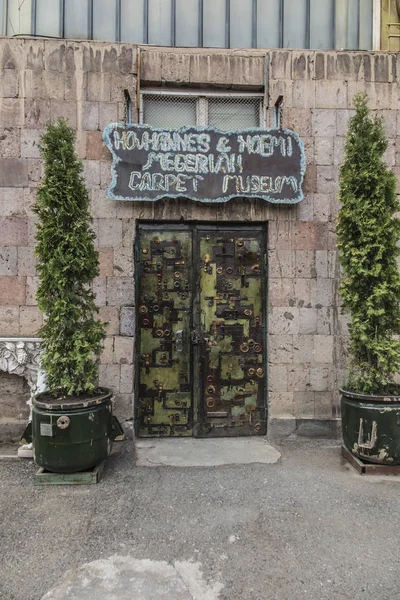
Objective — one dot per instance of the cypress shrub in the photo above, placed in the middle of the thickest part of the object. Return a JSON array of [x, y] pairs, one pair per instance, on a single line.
[[368, 234], [67, 263]]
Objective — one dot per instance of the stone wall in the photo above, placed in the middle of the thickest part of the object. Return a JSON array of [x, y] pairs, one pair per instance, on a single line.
[[85, 82]]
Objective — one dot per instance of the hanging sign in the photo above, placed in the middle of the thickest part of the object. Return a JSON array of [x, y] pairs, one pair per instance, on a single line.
[[205, 164]]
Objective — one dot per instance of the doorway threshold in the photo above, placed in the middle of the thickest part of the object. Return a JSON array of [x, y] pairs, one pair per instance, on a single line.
[[189, 452]]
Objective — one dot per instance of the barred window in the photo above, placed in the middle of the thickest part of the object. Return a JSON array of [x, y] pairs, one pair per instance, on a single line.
[[227, 112]]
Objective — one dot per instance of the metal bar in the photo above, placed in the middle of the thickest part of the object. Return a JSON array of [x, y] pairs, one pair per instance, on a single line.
[[157, 92], [308, 24], [138, 83], [254, 25], [173, 22], [201, 23], [266, 83], [334, 24], [33, 17], [281, 23], [146, 22], [6, 18], [90, 24], [227, 23], [118, 21], [62, 18], [358, 24]]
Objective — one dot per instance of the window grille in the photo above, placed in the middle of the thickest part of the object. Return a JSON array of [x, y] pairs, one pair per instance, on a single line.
[[226, 112]]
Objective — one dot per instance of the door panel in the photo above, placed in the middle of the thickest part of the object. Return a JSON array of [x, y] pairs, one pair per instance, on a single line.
[[164, 396], [231, 335], [200, 331]]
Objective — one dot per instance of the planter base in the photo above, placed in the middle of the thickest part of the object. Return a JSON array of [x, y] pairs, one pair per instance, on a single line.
[[364, 468], [90, 476]]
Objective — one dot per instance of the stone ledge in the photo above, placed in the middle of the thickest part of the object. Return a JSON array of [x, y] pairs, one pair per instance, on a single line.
[[305, 428]]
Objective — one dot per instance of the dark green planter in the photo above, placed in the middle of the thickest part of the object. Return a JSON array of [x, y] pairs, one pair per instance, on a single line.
[[371, 427], [72, 435]]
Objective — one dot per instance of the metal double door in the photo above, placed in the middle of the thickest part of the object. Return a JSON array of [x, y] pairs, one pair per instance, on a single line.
[[200, 345]]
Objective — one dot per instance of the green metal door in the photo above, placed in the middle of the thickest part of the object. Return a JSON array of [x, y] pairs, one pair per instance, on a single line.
[[200, 331]]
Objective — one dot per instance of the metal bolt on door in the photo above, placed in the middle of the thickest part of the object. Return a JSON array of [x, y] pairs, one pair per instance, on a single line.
[[201, 316]]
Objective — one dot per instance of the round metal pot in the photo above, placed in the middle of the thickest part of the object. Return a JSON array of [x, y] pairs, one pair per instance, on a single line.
[[72, 434], [371, 427]]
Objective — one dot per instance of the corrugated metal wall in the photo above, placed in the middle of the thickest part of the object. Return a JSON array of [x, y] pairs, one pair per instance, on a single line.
[[324, 24]]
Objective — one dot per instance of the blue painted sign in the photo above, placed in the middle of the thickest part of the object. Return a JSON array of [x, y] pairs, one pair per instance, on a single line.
[[205, 164]]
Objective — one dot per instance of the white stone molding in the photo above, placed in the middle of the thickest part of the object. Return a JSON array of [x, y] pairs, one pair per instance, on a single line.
[[21, 356]]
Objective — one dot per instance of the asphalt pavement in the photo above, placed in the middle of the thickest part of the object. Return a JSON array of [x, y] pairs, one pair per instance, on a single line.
[[304, 525]]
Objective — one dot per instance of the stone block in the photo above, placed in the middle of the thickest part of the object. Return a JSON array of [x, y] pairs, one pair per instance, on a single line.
[[11, 384], [124, 409], [12, 290], [280, 349], [91, 173], [100, 290], [96, 148], [125, 209], [281, 263], [35, 171], [128, 321], [175, 68], [305, 208], [305, 263], [331, 94], [279, 429], [10, 140], [13, 406], [119, 83], [108, 114], [109, 376], [277, 378], [30, 319], [110, 233], [9, 83], [34, 86], [319, 70], [321, 379], [323, 405], [31, 289], [53, 87], [323, 348], [98, 87], [322, 292], [284, 321], [101, 207], [326, 180], [11, 112], [123, 351], [9, 320], [34, 54], [307, 320], [339, 150], [123, 262], [324, 122], [126, 384], [280, 291], [302, 65], [322, 207], [8, 261], [325, 321], [120, 291], [106, 261], [55, 52], [304, 405], [301, 298], [299, 119], [303, 94], [12, 202], [13, 172], [321, 263], [65, 109], [324, 150], [14, 232], [110, 315], [106, 357], [310, 180], [281, 404], [30, 143], [298, 378], [90, 116], [309, 236], [279, 237], [303, 348], [280, 64]]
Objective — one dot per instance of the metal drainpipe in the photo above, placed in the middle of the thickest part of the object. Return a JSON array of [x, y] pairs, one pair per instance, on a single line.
[[398, 8]]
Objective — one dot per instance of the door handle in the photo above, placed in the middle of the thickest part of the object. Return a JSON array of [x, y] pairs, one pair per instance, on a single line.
[[179, 341]]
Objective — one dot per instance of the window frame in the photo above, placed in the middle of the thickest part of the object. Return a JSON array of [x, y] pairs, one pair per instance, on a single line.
[[202, 102]]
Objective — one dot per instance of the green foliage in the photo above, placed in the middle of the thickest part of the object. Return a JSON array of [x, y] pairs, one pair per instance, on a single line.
[[368, 233], [67, 264]]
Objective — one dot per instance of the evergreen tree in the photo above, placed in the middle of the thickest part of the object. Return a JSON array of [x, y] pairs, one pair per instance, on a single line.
[[368, 233], [67, 264]]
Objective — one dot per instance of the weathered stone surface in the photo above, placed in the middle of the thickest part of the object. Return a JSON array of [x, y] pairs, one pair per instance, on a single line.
[[13, 172], [126, 382], [12, 291], [14, 232], [120, 291], [123, 352], [8, 261], [30, 319], [10, 140], [128, 321], [9, 322], [106, 261]]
